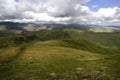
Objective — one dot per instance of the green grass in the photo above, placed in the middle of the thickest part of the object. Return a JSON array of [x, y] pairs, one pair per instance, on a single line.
[[101, 30], [60, 55], [2, 28], [106, 39], [60, 60], [29, 27]]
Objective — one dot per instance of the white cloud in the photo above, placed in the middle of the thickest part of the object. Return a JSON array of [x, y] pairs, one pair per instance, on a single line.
[[70, 11], [107, 12], [38, 16]]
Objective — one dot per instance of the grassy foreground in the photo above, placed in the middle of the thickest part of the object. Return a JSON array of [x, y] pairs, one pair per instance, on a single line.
[[59, 60]]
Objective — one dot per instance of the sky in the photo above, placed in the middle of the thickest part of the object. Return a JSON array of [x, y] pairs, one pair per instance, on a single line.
[[95, 5], [102, 12]]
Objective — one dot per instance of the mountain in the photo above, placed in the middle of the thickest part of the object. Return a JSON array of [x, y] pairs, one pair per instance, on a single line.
[[19, 28], [26, 27], [58, 52], [12, 24]]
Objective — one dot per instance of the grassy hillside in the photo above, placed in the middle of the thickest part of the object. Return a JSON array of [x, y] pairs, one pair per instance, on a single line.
[[105, 29], [60, 55], [106, 39], [29, 27], [2, 28], [58, 60]]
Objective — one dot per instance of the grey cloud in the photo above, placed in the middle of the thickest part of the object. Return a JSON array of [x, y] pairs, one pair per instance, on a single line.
[[70, 11], [62, 8]]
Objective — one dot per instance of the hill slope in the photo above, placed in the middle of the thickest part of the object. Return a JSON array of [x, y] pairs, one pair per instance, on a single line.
[[59, 60]]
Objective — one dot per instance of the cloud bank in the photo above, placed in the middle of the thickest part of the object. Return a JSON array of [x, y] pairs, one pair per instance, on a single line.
[[60, 11]]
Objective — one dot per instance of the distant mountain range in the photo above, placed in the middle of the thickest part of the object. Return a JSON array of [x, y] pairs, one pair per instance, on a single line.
[[15, 27]]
